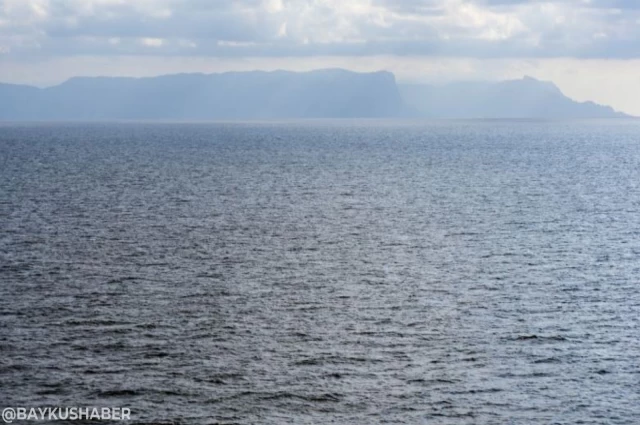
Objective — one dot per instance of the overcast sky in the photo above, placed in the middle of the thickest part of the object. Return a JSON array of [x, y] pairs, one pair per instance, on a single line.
[[590, 48]]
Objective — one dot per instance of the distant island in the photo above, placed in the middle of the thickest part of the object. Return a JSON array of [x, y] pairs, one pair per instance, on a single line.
[[330, 93], [524, 98]]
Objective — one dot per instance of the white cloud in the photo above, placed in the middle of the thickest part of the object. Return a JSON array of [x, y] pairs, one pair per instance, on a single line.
[[273, 6], [471, 28], [152, 42]]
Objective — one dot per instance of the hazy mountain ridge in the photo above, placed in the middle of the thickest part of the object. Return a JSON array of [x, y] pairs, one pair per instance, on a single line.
[[329, 93], [524, 98]]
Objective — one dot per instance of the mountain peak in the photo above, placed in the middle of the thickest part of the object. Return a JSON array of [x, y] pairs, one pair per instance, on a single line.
[[526, 97], [533, 84]]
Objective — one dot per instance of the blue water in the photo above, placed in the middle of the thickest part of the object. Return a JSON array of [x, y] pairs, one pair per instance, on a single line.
[[478, 272]]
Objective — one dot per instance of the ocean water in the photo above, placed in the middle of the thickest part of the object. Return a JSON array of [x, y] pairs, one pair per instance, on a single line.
[[455, 272]]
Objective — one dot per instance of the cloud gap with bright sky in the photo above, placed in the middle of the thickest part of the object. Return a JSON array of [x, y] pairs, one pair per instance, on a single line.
[[590, 48]]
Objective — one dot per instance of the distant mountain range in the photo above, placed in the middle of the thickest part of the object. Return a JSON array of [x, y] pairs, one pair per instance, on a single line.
[[525, 98], [331, 93]]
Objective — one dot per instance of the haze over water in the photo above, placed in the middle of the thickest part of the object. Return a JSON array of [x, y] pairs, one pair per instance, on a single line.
[[351, 272]]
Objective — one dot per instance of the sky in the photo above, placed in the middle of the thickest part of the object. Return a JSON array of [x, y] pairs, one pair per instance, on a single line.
[[589, 48]]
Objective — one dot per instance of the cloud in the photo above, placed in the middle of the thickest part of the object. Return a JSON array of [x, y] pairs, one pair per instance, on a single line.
[[301, 28]]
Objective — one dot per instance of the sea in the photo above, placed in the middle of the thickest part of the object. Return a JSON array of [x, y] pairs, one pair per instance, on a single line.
[[323, 272]]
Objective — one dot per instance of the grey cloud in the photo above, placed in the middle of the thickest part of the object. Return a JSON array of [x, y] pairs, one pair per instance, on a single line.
[[234, 28]]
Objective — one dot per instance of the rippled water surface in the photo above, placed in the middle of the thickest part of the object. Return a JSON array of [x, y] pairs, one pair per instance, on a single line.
[[321, 272]]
